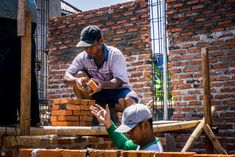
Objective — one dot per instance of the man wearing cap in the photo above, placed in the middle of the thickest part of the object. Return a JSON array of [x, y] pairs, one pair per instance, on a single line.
[[106, 66], [136, 123]]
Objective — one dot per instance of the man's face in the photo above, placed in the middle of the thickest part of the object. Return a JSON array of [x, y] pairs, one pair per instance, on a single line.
[[94, 49], [137, 134]]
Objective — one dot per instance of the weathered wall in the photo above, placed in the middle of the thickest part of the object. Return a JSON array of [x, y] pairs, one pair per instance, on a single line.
[[125, 26], [193, 25]]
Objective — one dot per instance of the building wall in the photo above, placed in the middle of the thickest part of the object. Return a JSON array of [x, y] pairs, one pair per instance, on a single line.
[[125, 26], [193, 25]]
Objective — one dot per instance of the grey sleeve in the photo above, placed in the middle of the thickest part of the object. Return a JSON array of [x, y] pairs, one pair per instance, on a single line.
[[77, 65], [119, 68]]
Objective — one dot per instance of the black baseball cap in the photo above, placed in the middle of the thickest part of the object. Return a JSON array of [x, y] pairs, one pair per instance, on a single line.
[[89, 36]]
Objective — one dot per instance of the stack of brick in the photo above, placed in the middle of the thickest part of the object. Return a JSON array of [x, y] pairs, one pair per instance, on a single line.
[[107, 153], [71, 112]]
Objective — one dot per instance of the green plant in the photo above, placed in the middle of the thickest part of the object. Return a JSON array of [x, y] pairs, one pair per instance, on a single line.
[[158, 83]]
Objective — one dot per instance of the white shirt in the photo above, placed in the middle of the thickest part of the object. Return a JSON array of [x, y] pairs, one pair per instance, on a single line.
[[114, 65]]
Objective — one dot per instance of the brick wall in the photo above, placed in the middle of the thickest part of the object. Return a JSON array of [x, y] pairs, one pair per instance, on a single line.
[[12, 144], [104, 153], [193, 25], [125, 26]]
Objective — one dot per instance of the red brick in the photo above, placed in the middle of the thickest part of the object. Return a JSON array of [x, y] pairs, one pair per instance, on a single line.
[[176, 29], [116, 27], [146, 67], [84, 102], [85, 113], [132, 30], [73, 107], [61, 112], [74, 153], [55, 106], [177, 82], [65, 123], [117, 39], [83, 123], [54, 118], [85, 118], [25, 152], [194, 92], [183, 86], [211, 155], [104, 153], [128, 24], [189, 98], [68, 118], [77, 101], [197, 7], [91, 102], [76, 113], [136, 74], [137, 153], [120, 31], [66, 100], [84, 107], [170, 1], [50, 153], [57, 101], [232, 83]]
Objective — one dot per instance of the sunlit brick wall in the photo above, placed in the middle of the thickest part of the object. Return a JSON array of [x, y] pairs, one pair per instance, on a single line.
[[125, 26], [193, 25]]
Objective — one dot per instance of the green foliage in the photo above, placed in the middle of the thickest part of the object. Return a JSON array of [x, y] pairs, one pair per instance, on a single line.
[[158, 84]]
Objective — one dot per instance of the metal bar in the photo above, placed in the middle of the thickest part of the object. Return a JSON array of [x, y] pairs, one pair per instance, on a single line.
[[165, 116]]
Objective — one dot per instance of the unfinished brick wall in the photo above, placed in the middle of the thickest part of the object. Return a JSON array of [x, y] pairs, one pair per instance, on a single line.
[[71, 112], [125, 26], [193, 25], [12, 144], [105, 153]]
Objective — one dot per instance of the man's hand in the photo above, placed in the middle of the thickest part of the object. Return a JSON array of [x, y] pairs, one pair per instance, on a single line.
[[81, 82], [99, 86], [103, 115]]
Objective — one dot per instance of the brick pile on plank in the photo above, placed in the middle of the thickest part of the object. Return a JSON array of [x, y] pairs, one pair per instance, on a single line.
[[71, 112]]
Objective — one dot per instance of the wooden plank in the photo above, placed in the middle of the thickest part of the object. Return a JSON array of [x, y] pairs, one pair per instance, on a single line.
[[25, 94], [175, 126], [21, 18], [214, 140], [206, 94], [92, 130]]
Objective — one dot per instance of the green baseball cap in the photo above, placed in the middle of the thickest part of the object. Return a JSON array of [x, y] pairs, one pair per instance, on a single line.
[[89, 36]]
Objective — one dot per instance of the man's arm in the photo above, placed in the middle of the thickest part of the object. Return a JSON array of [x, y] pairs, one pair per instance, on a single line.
[[120, 140], [69, 79], [112, 84], [81, 78]]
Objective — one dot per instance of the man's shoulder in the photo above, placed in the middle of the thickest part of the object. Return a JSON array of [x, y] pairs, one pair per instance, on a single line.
[[155, 146], [82, 55], [113, 50]]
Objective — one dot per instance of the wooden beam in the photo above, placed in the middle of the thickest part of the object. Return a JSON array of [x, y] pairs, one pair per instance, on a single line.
[[175, 126], [196, 133], [93, 130], [21, 18], [214, 140], [206, 94], [25, 90]]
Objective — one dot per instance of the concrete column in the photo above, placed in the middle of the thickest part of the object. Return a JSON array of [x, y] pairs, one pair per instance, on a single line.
[[54, 8]]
